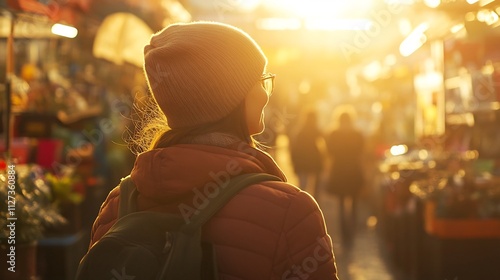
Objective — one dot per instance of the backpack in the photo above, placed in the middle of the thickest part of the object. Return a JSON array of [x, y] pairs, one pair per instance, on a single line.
[[149, 245]]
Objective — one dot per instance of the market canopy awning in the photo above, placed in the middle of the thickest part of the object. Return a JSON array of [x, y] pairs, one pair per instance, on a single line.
[[155, 13], [66, 11], [121, 39]]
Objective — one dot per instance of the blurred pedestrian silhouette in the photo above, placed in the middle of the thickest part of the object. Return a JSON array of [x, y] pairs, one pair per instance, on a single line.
[[345, 146], [305, 152]]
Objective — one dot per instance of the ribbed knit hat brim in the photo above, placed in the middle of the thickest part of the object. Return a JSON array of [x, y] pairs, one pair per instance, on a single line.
[[199, 72]]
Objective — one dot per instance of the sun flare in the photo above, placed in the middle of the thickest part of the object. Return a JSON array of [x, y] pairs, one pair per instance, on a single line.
[[314, 8]]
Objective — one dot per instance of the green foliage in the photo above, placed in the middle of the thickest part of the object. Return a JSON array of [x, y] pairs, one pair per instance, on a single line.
[[33, 209], [63, 189]]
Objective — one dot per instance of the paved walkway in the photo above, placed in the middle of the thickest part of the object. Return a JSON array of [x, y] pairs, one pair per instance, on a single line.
[[364, 259]]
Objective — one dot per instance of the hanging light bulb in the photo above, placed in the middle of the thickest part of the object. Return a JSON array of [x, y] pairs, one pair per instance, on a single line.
[[432, 3], [64, 30]]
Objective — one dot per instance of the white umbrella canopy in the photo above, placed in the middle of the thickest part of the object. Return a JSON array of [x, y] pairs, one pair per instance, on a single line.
[[121, 39]]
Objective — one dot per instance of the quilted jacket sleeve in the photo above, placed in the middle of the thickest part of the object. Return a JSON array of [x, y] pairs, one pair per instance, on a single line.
[[106, 217], [305, 250]]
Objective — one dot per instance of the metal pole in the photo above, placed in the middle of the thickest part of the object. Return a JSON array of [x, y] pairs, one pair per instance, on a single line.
[[8, 91]]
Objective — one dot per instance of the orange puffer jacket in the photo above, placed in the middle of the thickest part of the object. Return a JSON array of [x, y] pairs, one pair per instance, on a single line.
[[270, 230]]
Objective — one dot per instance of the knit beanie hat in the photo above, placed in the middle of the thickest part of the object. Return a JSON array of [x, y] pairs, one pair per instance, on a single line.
[[199, 72]]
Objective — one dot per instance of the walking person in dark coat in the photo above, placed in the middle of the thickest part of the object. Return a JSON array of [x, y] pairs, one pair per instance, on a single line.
[[307, 159], [345, 149]]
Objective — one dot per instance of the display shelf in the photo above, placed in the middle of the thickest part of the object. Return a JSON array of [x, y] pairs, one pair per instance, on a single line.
[[58, 257], [469, 228]]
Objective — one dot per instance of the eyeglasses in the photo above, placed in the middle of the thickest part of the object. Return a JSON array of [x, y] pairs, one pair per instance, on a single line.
[[267, 81]]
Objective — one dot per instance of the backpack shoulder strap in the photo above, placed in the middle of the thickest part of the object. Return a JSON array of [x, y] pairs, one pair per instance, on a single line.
[[128, 197], [226, 192]]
